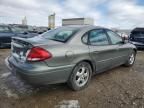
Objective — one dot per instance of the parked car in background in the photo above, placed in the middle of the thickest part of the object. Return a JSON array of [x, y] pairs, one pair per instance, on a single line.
[[23, 31], [41, 30], [69, 54], [5, 36], [9, 31], [137, 37]]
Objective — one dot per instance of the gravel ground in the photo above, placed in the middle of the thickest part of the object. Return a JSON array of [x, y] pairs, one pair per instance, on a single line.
[[121, 87]]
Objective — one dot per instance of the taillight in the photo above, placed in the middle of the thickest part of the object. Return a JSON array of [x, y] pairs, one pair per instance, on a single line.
[[38, 54]]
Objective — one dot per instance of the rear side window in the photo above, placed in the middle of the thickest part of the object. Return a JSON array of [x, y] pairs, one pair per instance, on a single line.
[[98, 37], [4, 29], [85, 38], [115, 38]]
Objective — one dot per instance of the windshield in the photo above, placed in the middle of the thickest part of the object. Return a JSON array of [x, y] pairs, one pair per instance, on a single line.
[[60, 34]]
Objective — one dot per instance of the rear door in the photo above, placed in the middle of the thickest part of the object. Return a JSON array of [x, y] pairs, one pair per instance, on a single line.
[[122, 48], [101, 50]]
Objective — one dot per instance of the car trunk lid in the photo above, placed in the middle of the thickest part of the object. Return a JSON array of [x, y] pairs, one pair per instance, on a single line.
[[21, 46]]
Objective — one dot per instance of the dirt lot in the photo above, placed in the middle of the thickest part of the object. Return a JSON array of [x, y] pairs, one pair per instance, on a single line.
[[121, 87]]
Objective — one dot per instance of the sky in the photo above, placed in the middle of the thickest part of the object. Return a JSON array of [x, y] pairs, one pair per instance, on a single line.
[[108, 13]]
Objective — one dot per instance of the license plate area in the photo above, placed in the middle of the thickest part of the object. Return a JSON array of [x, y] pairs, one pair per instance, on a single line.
[[19, 52]]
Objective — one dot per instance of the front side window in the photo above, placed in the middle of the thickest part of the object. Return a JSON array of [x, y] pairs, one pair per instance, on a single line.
[[98, 37], [115, 38], [60, 34]]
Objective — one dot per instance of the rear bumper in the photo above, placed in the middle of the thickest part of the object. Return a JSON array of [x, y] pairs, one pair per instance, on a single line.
[[36, 76]]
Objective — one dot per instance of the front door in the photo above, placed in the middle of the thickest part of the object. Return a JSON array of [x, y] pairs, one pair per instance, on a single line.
[[122, 48]]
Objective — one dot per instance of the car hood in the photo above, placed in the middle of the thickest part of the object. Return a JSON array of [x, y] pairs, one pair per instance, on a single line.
[[21, 46]]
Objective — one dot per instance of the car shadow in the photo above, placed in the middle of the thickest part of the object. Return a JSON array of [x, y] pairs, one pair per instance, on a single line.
[[22, 88]]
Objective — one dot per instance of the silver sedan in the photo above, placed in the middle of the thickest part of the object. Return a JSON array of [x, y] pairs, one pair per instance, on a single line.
[[69, 54]]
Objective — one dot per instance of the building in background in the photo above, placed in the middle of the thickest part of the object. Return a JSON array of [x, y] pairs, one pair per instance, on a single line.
[[78, 21], [51, 21], [24, 21]]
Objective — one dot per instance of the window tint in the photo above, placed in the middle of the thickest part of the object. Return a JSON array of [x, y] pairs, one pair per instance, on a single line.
[[115, 38], [98, 37], [4, 29]]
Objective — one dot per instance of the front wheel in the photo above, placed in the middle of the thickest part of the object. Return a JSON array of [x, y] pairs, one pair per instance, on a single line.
[[80, 76], [131, 59]]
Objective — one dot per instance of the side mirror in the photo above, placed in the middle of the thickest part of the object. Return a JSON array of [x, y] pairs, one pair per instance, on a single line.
[[125, 40]]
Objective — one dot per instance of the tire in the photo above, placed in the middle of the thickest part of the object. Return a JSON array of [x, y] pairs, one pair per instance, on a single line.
[[131, 59], [81, 76]]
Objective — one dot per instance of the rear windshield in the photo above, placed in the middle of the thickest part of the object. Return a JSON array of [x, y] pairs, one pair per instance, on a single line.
[[61, 34]]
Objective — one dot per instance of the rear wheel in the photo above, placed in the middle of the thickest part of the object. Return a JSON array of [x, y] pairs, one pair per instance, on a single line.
[[80, 76], [131, 59]]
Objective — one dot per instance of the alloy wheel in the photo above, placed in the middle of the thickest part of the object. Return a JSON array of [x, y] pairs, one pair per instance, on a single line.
[[82, 76], [131, 58]]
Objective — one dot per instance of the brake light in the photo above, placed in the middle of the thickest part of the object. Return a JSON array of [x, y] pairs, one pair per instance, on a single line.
[[38, 54]]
